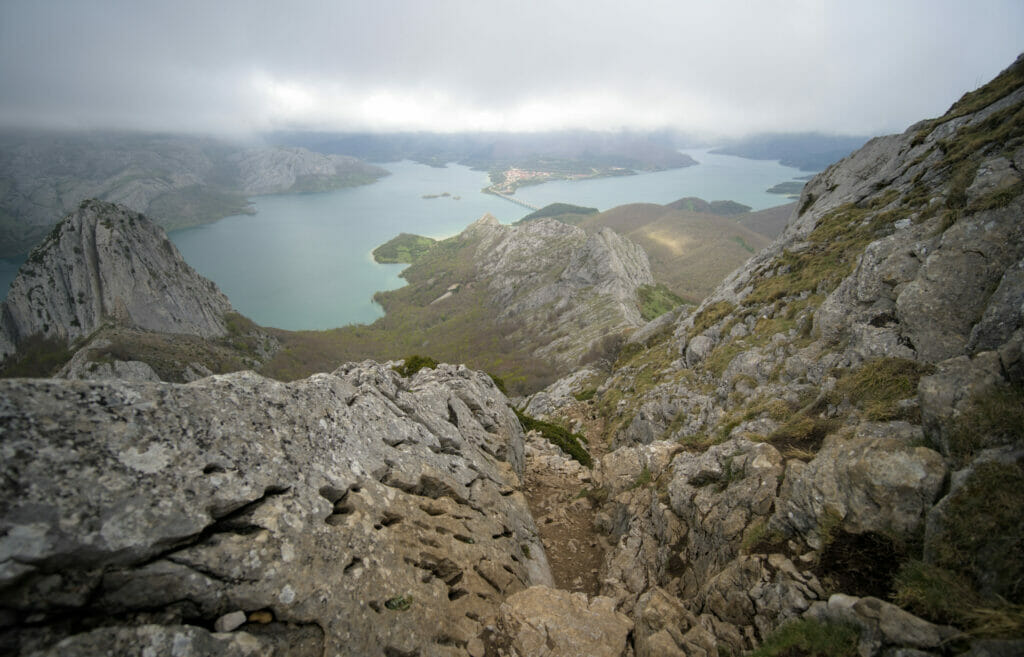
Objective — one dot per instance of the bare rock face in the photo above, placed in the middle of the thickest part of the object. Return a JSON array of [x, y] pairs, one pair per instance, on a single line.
[[569, 288], [350, 513], [861, 377], [864, 483], [281, 170], [106, 263], [546, 621]]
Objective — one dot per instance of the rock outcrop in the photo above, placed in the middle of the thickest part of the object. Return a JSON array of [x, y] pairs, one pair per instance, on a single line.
[[564, 287], [848, 406], [351, 513], [284, 170], [106, 263]]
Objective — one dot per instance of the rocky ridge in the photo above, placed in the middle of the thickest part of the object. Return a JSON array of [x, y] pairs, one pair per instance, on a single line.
[[822, 397], [287, 170], [351, 513], [567, 289], [105, 263]]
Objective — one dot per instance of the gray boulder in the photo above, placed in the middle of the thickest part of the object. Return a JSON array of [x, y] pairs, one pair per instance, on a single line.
[[545, 621], [878, 480]]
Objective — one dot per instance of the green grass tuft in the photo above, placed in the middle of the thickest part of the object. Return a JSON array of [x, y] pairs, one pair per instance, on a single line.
[[878, 385], [994, 417], [810, 638], [656, 300]]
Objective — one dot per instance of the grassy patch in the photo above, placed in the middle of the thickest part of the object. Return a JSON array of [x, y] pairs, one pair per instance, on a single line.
[[37, 356], [710, 316], [809, 638], [642, 479], [585, 395], [399, 603], [982, 536], [878, 385], [834, 246], [994, 417], [743, 244], [943, 596], [656, 300], [405, 248], [1002, 85], [554, 210], [568, 442]]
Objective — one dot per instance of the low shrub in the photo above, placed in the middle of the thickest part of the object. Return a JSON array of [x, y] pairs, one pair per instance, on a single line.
[[810, 638], [414, 364], [568, 442]]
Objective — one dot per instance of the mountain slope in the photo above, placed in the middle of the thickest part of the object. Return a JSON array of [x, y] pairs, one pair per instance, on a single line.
[[176, 180], [843, 413], [523, 302], [690, 252], [108, 283], [106, 263]]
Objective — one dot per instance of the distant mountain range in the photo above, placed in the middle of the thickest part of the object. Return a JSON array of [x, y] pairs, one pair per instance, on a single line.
[[807, 151]]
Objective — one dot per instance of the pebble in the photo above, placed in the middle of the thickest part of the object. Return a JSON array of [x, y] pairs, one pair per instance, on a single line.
[[229, 622]]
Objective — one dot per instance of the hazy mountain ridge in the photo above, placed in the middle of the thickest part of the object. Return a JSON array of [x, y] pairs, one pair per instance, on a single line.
[[176, 180]]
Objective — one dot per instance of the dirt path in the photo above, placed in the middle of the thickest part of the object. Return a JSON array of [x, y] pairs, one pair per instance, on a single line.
[[564, 517]]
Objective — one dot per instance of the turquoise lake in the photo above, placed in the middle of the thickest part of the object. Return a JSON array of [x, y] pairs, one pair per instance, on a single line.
[[303, 261]]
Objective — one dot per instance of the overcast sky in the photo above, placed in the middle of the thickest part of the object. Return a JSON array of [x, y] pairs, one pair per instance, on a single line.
[[859, 67]]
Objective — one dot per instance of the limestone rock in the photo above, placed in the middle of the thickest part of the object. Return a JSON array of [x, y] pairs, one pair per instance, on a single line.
[[541, 621], [106, 263], [352, 512], [623, 468], [559, 394], [865, 483], [718, 495], [985, 547], [665, 628], [947, 393], [281, 170], [160, 641], [566, 289], [757, 594]]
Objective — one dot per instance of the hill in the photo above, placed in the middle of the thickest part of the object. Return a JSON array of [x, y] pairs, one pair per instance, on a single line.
[[526, 303], [806, 151], [690, 252]]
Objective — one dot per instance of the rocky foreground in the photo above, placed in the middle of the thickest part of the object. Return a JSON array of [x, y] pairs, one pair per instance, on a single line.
[[353, 513]]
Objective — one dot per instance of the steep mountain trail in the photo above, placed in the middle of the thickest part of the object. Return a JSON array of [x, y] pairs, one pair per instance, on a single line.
[[556, 489]]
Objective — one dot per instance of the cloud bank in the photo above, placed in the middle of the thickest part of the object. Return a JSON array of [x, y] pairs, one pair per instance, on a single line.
[[724, 68]]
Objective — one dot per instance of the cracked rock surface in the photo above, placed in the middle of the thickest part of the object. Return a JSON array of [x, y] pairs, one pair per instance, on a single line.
[[348, 513]]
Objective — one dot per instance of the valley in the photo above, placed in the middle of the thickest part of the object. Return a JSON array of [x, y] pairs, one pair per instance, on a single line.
[[653, 429]]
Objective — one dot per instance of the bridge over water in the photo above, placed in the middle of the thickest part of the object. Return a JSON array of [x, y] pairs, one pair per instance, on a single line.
[[513, 200]]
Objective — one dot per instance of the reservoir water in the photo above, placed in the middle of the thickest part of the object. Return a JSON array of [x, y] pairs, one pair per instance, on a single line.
[[303, 260]]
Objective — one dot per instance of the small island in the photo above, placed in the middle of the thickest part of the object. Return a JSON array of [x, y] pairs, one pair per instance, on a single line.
[[441, 195], [406, 248]]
